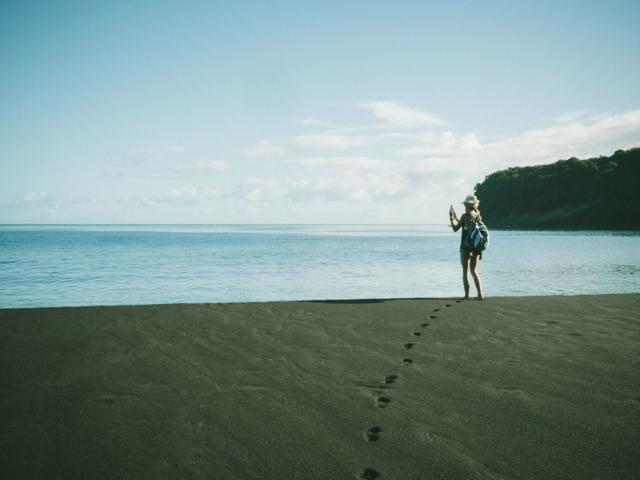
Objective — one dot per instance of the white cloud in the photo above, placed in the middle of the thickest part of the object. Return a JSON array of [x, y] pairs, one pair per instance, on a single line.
[[314, 122], [336, 137], [402, 136], [433, 165], [41, 202], [443, 144], [171, 151], [342, 163], [453, 162], [572, 116], [265, 148], [469, 142], [207, 166], [589, 137], [330, 141], [259, 190], [429, 168], [358, 188], [33, 198], [401, 115], [600, 135], [184, 196]]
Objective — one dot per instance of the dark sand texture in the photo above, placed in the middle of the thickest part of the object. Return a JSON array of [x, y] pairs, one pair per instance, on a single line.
[[509, 388]]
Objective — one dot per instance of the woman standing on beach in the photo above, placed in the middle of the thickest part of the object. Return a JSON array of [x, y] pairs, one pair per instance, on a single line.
[[468, 257]]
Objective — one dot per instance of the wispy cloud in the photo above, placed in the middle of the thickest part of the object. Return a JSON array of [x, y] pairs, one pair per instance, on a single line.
[[183, 196], [342, 163], [330, 141], [265, 148], [400, 115], [314, 122], [428, 164], [427, 167], [341, 137], [572, 116], [35, 201], [350, 187], [210, 166], [162, 152], [443, 144], [589, 136], [259, 191], [35, 198]]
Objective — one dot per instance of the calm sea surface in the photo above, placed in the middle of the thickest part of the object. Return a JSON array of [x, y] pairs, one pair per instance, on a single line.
[[139, 264]]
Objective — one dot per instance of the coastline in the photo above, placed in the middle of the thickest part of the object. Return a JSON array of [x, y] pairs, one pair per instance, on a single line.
[[136, 265], [513, 387]]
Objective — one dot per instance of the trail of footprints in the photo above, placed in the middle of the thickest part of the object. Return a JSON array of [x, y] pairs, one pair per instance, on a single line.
[[372, 434]]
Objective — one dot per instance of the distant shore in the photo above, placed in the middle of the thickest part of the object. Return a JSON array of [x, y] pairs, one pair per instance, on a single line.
[[507, 228], [558, 190], [512, 387]]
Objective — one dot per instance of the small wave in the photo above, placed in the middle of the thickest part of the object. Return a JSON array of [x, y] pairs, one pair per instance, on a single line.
[[627, 269]]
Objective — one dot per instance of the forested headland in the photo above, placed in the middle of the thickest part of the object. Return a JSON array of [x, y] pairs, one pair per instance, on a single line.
[[598, 193]]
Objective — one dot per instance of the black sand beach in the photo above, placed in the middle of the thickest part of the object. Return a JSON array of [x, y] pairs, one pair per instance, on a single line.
[[509, 388]]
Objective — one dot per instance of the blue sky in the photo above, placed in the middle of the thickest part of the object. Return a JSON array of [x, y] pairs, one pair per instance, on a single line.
[[300, 112]]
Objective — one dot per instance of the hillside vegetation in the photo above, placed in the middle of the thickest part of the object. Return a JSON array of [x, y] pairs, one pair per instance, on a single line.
[[598, 193]]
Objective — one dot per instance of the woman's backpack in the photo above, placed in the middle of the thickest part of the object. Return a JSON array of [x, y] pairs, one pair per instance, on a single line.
[[478, 238]]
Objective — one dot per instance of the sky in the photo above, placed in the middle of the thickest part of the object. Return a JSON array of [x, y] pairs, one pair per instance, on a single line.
[[300, 112]]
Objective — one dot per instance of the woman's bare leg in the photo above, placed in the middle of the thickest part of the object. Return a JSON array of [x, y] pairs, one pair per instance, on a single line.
[[464, 260], [473, 262]]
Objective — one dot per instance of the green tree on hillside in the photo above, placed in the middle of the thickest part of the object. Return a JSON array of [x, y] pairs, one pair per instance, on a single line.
[[597, 193]]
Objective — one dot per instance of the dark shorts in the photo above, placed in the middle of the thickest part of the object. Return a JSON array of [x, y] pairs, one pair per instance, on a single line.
[[464, 251]]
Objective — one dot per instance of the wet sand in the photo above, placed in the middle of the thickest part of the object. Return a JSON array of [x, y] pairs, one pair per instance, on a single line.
[[508, 388]]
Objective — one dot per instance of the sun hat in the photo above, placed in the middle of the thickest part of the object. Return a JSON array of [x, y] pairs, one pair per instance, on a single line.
[[471, 200]]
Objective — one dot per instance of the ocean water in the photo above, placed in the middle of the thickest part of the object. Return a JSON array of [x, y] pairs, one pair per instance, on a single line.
[[62, 265]]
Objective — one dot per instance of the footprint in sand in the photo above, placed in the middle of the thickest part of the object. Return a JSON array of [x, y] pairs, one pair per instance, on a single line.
[[382, 402], [408, 346], [368, 474], [417, 334], [425, 324], [372, 434], [407, 361], [389, 379]]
